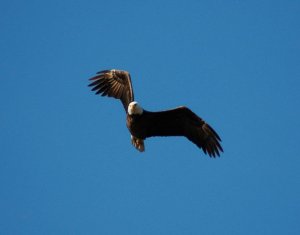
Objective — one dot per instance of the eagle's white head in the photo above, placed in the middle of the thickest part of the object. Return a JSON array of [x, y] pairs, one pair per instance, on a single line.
[[134, 108]]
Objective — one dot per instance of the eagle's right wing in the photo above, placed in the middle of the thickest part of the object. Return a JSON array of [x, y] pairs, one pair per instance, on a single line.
[[114, 83]]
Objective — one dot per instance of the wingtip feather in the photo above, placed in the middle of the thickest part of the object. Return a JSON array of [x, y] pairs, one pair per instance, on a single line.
[[104, 71]]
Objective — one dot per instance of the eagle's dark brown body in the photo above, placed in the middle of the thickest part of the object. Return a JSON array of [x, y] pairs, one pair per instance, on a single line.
[[176, 122], [164, 123], [143, 124]]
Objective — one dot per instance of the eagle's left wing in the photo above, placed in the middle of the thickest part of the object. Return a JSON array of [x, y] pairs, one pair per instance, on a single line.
[[182, 121]]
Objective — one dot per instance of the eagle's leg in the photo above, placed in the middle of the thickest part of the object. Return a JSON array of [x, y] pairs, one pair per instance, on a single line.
[[138, 143]]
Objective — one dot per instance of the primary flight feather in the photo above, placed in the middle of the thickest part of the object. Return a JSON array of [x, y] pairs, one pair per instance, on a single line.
[[142, 124]]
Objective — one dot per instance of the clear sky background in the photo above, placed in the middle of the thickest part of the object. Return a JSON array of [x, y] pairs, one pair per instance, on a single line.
[[67, 165]]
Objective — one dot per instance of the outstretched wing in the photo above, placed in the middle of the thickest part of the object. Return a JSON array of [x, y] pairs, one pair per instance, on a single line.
[[114, 83], [183, 122]]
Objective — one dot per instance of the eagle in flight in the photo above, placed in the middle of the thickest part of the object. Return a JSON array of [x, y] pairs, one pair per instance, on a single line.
[[143, 124]]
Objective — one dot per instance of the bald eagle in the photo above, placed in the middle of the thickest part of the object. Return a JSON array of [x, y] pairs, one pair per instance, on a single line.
[[143, 124]]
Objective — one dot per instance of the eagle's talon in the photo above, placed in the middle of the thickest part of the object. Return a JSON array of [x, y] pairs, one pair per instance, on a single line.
[[138, 143]]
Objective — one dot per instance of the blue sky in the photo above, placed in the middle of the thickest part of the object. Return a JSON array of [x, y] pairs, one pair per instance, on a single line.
[[67, 165]]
